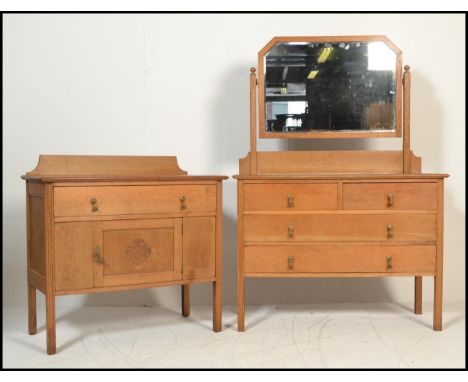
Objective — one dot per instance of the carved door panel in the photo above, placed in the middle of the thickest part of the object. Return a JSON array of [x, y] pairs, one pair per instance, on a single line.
[[142, 251]]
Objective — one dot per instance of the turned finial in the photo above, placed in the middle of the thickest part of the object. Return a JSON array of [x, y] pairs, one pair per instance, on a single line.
[[407, 68], [252, 71]]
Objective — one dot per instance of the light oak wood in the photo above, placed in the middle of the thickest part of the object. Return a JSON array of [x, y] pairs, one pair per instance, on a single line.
[[37, 235], [240, 258], [438, 278], [290, 197], [199, 251], [329, 162], [130, 237], [138, 251], [253, 118], [340, 227], [345, 275], [406, 120], [339, 258], [185, 289], [404, 196], [218, 283], [129, 200], [49, 243], [133, 287], [99, 166], [74, 256], [418, 295]]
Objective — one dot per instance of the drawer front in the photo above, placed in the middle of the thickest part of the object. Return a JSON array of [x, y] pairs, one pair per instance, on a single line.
[[340, 227], [388, 196], [124, 200], [339, 258], [290, 196]]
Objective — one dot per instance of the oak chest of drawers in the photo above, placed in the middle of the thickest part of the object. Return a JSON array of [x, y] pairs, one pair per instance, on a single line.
[[98, 224], [341, 226], [322, 211]]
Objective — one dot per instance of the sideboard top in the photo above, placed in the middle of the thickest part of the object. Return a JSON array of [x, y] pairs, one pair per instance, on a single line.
[[93, 167]]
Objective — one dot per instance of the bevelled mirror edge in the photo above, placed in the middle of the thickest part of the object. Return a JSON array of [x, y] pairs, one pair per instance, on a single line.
[[397, 107]]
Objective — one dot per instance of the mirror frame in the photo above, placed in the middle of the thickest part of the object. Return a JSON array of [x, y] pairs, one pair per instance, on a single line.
[[332, 134]]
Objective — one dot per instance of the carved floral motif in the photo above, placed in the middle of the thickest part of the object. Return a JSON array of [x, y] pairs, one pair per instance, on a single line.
[[138, 251]]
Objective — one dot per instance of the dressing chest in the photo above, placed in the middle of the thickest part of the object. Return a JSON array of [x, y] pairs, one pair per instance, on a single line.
[[340, 213], [102, 223]]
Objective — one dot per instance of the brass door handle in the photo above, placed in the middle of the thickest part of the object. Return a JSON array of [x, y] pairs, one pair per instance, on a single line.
[[390, 198], [183, 206], [290, 231], [389, 231], [94, 206], [389, 262], [97, 255], [290, 201], [291, 262]]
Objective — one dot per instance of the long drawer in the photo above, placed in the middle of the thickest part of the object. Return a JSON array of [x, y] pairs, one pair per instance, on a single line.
[[339, 258], [340, 227], [392, 195], [290, 196], [116, 200]]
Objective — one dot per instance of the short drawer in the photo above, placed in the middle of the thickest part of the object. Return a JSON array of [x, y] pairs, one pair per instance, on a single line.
[[290, 196], [123, 200], [387, 196], [340, 227], [339, 258]]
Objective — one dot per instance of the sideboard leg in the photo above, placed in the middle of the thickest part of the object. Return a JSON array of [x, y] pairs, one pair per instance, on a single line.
[[186, 300], [418, 295], [50, 323], [438, 302], [217, 306], [32, 311], [240, 302]]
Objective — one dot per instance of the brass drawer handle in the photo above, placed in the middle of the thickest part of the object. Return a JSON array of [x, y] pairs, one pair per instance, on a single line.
[[183, 206], [291, 262], [389, 231], [290, 201], [390, 198], [389, 262], [290, 231], [94, 206], [97, 255]]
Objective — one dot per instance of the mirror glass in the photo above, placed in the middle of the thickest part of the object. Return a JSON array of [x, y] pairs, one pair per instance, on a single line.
[[330, 86]]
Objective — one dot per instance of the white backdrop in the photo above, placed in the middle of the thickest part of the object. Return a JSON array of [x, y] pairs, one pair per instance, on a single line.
[[149, 84]]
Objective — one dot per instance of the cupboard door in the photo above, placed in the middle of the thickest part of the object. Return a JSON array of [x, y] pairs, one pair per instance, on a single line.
[[73, 256], [142, 251], [199, 247]]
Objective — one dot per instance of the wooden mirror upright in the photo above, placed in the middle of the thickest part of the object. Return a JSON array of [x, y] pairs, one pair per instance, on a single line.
[[335, 213]]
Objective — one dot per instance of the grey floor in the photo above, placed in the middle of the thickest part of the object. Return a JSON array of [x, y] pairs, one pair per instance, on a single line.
[[386, 335]]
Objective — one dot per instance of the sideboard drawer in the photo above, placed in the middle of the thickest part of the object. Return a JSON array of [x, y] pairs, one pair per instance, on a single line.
[[339, 258], [383, 196], [124, 200], [341, 227], [290, 196]]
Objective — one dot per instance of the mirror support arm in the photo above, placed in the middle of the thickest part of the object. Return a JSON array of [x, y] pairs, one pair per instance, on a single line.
[[253, 119], [406, 120]]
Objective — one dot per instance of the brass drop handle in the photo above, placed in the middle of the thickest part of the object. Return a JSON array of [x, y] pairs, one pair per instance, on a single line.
[[389, 231], [290, 201], [389, 262], [291, 262], [94, 206], [183, 206], [390, 198], [97, 255], [290, 231]]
